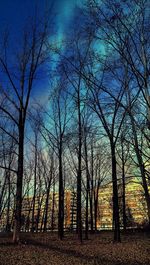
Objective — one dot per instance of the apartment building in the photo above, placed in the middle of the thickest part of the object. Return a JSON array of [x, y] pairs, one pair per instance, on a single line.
[[136, 211]]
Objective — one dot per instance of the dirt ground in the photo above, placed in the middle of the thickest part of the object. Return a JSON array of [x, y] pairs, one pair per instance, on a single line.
[[46, 249]]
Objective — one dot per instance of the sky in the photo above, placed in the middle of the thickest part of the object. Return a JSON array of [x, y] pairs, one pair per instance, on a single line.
[[14, 14]]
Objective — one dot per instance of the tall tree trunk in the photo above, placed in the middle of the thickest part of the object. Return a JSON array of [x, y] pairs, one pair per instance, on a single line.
[[17, 221], [96, 192], [8, 205], [2, 193], [46, 206], [142, 167], [79, 175], [42, 219], [123, 191], [39, 213], [61, 196], [92, 189], [115, 196], [95, 211], [53, 207], [35, 180], [87, 191]]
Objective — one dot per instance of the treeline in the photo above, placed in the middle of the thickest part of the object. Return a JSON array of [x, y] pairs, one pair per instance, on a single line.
[[93, 125]]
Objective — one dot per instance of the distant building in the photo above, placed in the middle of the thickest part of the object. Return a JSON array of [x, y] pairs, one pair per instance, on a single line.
[[136, 211]]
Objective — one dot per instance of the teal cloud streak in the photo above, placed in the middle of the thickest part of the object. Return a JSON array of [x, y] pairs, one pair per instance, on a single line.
[[65, 11]]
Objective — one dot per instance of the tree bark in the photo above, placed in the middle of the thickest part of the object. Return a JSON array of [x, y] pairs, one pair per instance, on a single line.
[[61, 196], [17, 222], [35, 180], [115, 196], [53, 207], [79, 175], [142, 167], [92, 190], [87, 191], [123, 191], [8, 228]]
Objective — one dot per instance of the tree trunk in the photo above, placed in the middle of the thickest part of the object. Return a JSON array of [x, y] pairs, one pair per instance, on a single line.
[[8, 228], [46, 206], [61, 197], [141, 166], [96, 204], [39, 213], [91, 209], [17, 222], [34, 192], [53, 207], [92, 189], [115, 196], [87, 191], [123, 191], [79, 175]]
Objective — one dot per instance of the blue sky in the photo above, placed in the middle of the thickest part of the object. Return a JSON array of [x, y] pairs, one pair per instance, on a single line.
[[14, 14]]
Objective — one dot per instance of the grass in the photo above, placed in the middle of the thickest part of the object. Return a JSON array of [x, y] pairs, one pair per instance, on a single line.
[[46, 249]]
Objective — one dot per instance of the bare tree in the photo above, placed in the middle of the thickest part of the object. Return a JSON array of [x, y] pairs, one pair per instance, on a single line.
[[29, 58], [54, 133]]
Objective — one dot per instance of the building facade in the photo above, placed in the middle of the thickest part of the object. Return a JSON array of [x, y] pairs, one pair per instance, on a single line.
[[47, 211]]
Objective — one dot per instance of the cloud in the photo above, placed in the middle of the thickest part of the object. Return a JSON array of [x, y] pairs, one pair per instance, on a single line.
[[65, 12]]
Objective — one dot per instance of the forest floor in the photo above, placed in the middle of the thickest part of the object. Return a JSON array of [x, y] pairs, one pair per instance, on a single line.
[[46, 249]]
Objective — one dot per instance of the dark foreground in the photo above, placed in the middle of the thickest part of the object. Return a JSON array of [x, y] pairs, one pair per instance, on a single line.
[[46, 249]]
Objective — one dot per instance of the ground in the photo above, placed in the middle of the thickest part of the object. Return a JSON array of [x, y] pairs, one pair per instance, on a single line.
[[46, 249]]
